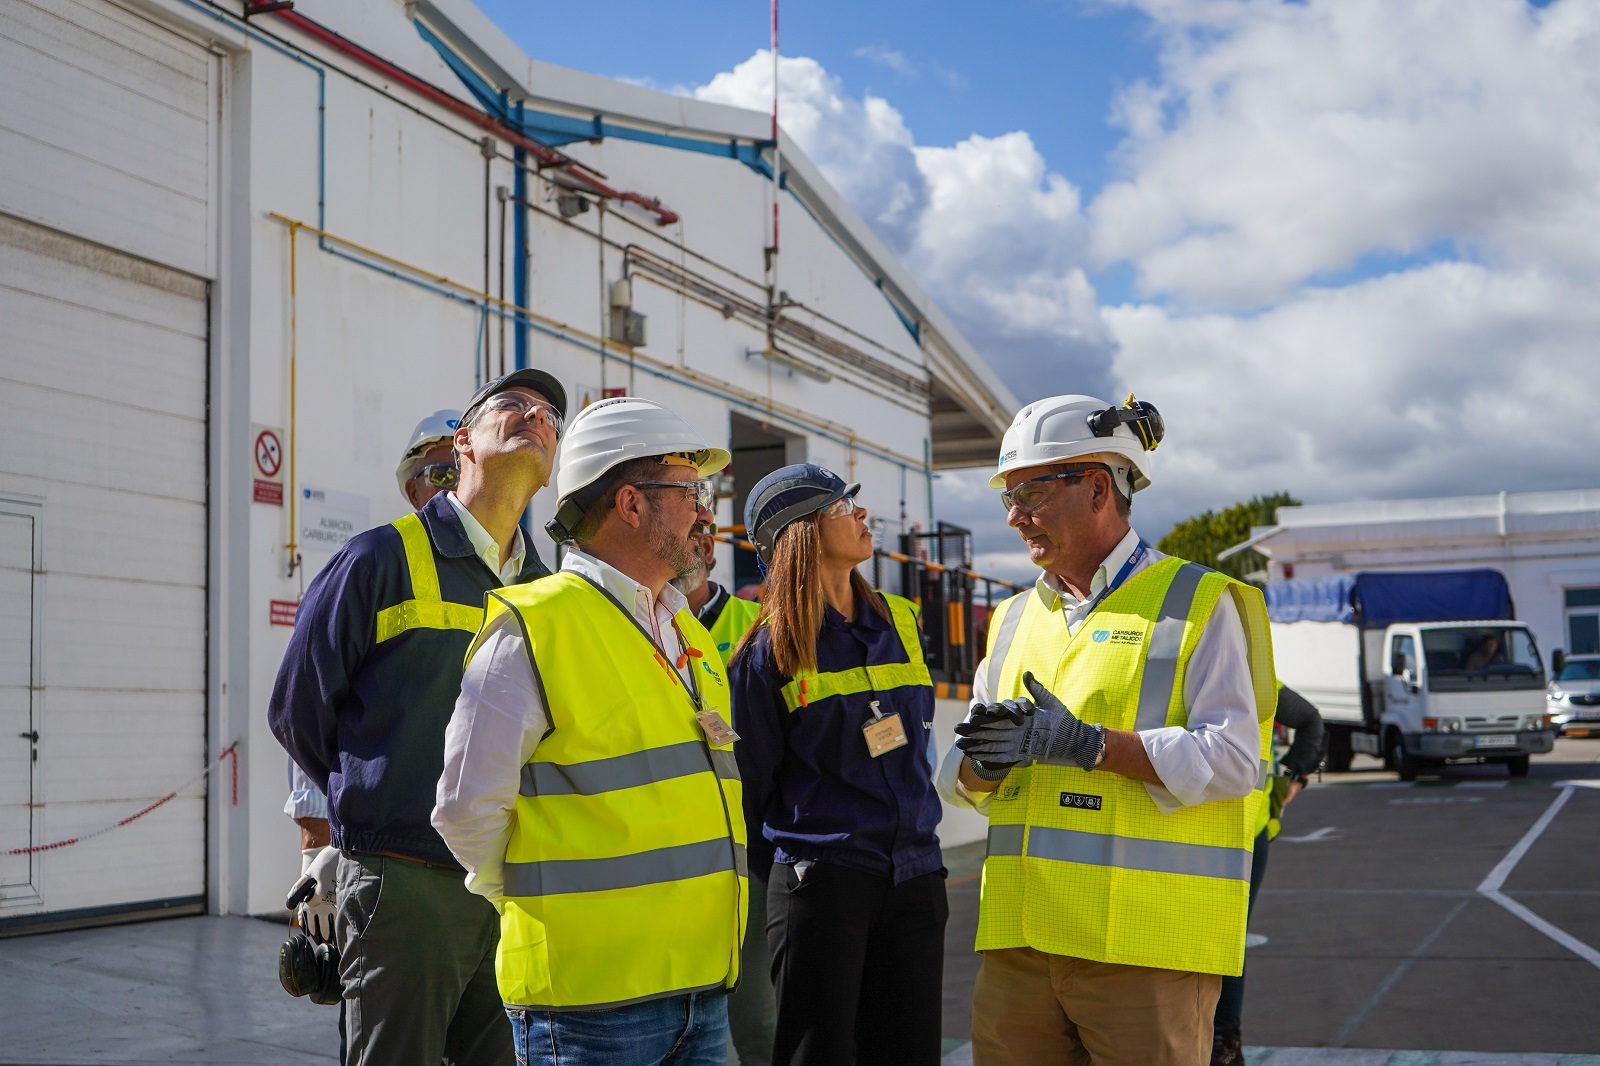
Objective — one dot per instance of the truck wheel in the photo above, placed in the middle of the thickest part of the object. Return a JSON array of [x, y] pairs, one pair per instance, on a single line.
[[1517, 766], [1339, 750], [1399, 759]]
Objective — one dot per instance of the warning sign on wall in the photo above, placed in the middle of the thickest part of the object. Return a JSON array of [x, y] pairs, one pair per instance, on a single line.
[[267, 453], [283, 611]]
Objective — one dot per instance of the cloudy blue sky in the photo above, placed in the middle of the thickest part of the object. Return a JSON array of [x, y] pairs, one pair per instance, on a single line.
[[1351, 248]]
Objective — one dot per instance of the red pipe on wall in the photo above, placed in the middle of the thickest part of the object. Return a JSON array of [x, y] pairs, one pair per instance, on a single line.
[[542, 153]]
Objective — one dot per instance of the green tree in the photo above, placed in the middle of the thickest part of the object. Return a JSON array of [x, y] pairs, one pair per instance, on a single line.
[[1201, 538]]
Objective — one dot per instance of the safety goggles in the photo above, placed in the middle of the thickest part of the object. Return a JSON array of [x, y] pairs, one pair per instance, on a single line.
[[844, 505], [703, 491], [1030, 494], [520, 405], [440, 475]]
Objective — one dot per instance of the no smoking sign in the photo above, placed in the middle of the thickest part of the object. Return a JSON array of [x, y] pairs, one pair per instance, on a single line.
[[268, 454]]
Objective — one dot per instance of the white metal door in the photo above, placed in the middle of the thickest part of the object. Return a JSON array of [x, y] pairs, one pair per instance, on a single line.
[[18, 613], [103, 418]]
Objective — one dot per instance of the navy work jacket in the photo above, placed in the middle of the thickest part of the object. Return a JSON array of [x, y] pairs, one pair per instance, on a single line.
[[811, 790], [366, 720]]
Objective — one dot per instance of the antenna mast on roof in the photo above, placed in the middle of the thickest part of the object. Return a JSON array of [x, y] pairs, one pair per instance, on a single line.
[[777, 176]]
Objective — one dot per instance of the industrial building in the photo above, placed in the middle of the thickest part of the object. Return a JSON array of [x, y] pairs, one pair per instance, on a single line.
[[1547, 544], [241, 256]]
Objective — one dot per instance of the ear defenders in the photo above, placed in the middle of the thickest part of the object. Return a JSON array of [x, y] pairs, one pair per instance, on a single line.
[[1138, 415]]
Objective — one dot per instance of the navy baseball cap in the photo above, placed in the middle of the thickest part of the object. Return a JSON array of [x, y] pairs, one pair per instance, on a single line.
[[786, 494], [537, 380]]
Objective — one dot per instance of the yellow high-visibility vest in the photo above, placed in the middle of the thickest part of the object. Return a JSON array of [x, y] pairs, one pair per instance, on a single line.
[[732, 624], [1085, 864], [625, 875]]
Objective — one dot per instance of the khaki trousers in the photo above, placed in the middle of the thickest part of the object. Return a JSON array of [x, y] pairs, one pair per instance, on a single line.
[[1030, 1008]]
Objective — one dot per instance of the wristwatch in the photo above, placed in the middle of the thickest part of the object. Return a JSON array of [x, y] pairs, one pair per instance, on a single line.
[[1100, 756]]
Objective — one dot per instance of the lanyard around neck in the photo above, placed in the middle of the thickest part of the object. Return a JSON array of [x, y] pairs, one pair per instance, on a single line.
[[1122, 575]]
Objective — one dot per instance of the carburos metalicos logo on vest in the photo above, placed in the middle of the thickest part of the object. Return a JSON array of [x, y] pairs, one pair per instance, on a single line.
[[1118, 636]]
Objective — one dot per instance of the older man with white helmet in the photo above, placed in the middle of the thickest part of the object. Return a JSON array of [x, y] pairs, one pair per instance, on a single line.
[[1115, 742], [589, 784]]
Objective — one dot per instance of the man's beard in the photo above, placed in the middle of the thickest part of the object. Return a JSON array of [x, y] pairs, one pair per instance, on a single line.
[[677, 551]]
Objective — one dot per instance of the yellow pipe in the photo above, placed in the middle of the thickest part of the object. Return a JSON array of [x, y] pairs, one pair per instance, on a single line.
[[294, 322], [622, 352]]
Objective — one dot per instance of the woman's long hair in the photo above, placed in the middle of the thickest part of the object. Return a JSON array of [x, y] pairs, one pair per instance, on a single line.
[[791, 606]]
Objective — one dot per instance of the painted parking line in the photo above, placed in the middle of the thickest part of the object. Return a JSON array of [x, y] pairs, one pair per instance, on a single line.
[[1468, 783], [1490, 888], [1325, 1056]]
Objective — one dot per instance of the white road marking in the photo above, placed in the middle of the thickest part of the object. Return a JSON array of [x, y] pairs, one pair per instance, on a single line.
[[1490, 889], [1325, 833]]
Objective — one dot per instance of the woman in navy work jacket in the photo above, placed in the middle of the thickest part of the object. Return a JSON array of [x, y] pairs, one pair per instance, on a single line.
[[834, 711]]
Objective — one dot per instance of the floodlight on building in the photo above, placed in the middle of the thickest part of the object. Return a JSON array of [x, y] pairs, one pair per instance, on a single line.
[[778, 357]]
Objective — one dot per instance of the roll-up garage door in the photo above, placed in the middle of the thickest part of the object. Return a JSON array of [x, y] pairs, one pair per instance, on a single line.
[[107, 127]]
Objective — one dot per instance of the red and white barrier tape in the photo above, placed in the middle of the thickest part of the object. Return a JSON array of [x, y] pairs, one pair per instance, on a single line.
[[230, 752]]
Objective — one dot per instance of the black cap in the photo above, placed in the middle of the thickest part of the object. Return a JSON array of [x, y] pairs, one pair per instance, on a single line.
[[787, 494], [537, 380]]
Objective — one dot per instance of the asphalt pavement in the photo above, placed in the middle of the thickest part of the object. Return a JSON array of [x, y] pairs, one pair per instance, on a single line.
[[1408, 922]]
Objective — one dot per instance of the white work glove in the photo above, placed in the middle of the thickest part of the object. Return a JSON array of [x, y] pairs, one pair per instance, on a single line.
[[313, 896]]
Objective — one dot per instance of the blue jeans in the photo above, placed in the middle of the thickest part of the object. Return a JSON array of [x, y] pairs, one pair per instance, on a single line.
[[687, 1030]]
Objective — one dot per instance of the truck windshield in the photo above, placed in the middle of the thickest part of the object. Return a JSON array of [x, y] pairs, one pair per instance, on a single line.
[[1480, 658], [1580, 670]]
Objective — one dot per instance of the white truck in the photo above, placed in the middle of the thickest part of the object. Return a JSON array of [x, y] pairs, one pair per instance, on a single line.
[[1420, 669]]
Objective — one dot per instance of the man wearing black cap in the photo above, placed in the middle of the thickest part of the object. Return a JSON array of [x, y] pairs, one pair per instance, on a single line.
[[361, 702]]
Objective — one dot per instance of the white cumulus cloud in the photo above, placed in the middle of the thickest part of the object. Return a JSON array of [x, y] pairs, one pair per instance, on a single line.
[[992, 234]]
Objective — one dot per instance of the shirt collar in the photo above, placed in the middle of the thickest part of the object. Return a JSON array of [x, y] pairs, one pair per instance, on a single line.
[[483, 544], [714, 605], [1051, 590], [624, 589]]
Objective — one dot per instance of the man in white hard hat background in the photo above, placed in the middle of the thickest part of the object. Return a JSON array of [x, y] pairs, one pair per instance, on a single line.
[[361, 702], [589, 784], [1115, 742], [427, 468]]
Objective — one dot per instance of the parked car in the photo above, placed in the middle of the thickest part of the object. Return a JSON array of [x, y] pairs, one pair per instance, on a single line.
[[1574, 697]]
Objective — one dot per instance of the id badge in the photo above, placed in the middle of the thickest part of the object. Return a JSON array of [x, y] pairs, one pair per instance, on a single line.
[[884, 734], [719, 732]]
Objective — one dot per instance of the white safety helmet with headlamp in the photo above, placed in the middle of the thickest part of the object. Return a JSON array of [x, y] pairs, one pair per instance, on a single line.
[[437, 428], [609, 433], [1064, 429]]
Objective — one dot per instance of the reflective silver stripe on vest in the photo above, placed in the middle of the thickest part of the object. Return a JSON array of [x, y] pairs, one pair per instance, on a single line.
[[622, 771], [679, 863], [1161, 656], [1003, 639], [1006, 839], [1266, 775], [1130, 853]]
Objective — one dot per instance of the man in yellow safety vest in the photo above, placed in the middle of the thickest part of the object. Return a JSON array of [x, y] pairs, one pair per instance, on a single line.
[[1115, 741], [589, 785]]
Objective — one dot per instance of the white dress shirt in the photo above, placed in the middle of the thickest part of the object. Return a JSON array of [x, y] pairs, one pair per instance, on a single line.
[[500, 718], [484, 544], [1216, 755]]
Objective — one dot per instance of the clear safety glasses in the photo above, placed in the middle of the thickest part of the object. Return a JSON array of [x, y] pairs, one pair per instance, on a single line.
[[520, 406], [1030, 494], [440, 475], [703, 491], [844, 505]]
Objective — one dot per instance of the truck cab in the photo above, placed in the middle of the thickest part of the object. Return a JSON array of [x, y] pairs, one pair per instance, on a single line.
[[1452, 691]]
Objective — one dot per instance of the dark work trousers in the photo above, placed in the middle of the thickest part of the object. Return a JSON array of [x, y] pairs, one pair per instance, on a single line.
[[1230, 1005], [858, 966], [751, 1008], [416, 956]]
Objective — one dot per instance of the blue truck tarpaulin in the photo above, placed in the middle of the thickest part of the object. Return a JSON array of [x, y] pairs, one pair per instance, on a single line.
[[1375, 600]]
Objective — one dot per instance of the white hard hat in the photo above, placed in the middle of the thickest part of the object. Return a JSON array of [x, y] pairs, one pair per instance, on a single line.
[[1062, 429], [437, 428], [609, 433]]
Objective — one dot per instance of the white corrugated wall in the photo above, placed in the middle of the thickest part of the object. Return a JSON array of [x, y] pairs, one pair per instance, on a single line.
[[107, 134]]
